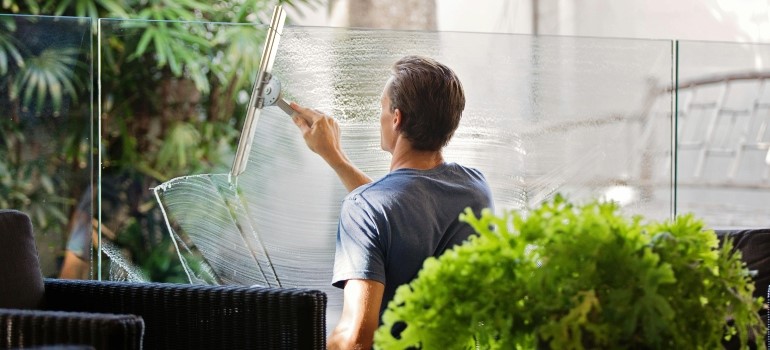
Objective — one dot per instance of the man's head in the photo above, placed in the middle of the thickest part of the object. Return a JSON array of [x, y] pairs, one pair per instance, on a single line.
[[430, 99]]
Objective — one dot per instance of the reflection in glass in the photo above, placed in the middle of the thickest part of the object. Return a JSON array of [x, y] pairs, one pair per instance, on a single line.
[[723, 116], [46, 135]]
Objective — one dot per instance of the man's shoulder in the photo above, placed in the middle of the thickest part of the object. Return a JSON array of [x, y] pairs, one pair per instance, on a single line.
[[374, 187], [369, 196], [383, 193], [467, 169], [409, 181]]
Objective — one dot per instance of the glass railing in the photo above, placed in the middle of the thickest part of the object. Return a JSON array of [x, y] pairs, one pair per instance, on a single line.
[[662, 127], [172, 104], [544, 115], [47, 136], [723, 118]]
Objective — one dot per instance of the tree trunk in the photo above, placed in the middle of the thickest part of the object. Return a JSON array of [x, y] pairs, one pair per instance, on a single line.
[[383, 14]]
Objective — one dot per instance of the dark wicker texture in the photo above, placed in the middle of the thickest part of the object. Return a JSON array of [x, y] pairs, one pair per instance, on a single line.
[[178, 316], [33, 328], [754, 245]]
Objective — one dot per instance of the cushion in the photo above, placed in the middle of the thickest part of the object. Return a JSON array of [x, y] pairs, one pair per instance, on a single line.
[[21, 282]]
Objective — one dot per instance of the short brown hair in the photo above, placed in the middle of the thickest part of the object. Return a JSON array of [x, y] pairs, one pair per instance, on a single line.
[[430, 98]]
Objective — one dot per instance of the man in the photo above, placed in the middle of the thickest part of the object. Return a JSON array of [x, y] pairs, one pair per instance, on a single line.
[[388, 227]]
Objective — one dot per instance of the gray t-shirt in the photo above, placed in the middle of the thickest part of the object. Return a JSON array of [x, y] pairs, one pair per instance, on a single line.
[[389, 227]]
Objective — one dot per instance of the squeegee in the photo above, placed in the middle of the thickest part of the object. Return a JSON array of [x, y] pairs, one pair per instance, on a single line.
[[266, 92]]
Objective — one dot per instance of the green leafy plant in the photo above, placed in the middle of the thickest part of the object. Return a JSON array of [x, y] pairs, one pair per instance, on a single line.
[[566, 276]]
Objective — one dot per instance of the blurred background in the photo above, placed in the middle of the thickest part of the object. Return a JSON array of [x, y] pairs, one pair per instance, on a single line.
[[711, 20]]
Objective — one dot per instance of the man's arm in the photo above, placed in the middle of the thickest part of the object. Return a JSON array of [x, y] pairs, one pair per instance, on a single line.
[[360, 315], [322, 135]]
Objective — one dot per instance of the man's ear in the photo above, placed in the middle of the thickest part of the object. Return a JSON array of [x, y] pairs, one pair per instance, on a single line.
[[397, 119]]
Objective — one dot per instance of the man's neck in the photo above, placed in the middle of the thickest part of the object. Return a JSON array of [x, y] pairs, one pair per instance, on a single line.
[[404, 157]]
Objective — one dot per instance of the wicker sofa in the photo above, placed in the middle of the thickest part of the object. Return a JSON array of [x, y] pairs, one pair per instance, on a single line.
[[754, 245], [121, 315]]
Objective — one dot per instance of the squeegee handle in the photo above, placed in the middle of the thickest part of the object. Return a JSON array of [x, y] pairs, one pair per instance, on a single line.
[[284, 106]]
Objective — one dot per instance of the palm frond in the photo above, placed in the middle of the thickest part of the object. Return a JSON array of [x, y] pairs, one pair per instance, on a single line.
[[241, 46], [9, 50], [48, 76]]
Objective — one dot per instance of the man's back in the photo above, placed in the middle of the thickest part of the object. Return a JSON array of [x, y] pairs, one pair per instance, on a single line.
[[389, 227]]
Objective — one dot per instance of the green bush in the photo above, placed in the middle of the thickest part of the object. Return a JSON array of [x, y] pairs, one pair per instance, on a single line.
[[565, 276]]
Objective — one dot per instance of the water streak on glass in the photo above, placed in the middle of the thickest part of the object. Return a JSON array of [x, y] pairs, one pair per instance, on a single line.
[[120, 268], [544, 115]]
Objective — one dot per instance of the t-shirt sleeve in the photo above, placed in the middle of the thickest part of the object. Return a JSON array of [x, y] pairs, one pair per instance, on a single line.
[[359, 253]]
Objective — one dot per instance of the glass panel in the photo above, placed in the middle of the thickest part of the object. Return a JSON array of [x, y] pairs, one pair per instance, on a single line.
[[583, 117], [46, 136], [723, 165], [544, 114], [172, 99]]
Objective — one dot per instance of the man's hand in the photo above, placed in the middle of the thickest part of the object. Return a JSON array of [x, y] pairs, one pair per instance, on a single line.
[[322, 135]]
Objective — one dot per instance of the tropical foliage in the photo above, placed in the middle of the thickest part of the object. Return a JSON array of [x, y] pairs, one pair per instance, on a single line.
[[172, 85]]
